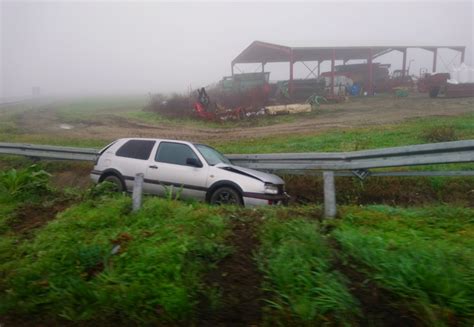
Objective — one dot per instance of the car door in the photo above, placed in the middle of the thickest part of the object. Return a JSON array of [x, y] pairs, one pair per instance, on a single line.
[[132, 158], [178, 169]]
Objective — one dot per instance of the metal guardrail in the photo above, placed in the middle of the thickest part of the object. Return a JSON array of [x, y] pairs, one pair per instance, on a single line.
[[49, 151], [332, 164], [423, 154], [412, 155]]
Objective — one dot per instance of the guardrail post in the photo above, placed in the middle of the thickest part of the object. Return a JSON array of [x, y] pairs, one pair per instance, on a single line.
[[137, 192], [329, 195]]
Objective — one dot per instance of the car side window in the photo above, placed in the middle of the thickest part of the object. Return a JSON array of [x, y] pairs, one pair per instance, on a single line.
[[136, 149], [174, 153]]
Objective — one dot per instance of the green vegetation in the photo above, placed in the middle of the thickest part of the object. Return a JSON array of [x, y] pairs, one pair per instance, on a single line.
[[98, 260], [414, 131], [296, 261], [17, 187], [425, 256]]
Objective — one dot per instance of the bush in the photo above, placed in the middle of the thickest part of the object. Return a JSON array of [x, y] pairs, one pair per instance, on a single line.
[[440, 134], [174, 106]]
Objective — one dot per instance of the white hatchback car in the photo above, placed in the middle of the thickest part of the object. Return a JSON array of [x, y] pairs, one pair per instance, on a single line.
[[196, 171]]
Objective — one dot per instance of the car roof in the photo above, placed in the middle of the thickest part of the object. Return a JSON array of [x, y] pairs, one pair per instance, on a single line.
[[153, 139]]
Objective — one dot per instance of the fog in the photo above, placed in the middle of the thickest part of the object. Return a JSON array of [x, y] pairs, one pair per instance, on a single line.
[[71, 48]]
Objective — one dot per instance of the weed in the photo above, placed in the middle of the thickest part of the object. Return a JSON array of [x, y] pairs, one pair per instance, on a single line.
[[297, 265], [24, 183], [101, 190]]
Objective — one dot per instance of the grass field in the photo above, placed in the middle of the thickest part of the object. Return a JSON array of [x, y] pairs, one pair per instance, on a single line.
[[96, 261], [414, 131]]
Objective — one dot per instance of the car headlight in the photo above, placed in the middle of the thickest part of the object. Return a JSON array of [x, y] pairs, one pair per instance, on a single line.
[[271, 189]]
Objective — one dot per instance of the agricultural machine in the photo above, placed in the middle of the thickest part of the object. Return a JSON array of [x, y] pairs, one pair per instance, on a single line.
[[437, 84]]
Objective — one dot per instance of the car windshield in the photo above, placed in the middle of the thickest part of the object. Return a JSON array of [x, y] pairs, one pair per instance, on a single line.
[[212, 156]]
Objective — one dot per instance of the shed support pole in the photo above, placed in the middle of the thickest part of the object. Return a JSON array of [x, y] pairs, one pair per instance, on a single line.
[[290, 83], [462, 55], [263, 67], [333, 59], [137, 192], [370, 87], [232, 68], [435, 57], [319, 68], [329, 195], [404, 65]]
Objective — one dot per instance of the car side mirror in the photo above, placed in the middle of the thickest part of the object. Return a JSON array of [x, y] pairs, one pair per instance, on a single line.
[[193, 162]]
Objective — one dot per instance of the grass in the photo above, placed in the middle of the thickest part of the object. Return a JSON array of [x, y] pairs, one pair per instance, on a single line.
[[407, 133], [296, 261], [98, 261], [69, 269], [425, 256]]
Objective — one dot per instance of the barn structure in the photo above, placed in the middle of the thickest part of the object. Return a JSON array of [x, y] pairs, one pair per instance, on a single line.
[[263, 52]]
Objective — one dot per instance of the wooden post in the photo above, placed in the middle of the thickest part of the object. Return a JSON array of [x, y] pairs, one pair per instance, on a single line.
[[329, 195], [137, 192]]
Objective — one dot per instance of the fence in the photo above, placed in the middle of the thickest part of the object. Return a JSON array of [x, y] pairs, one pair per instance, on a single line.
[[330, 164]]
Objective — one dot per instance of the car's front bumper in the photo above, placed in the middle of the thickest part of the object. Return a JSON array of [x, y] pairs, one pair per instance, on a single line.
[[260, 199]]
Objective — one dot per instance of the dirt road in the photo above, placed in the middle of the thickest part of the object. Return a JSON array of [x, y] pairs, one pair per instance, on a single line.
[[357, 112]]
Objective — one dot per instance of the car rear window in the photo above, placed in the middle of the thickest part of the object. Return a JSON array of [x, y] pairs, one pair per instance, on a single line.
[[136, 149], [174, 153]]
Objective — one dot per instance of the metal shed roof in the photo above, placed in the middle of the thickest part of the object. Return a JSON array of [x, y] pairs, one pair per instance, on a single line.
[[265, 52]]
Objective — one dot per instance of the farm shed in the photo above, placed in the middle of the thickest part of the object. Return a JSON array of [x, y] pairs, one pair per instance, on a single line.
[[263, 52]]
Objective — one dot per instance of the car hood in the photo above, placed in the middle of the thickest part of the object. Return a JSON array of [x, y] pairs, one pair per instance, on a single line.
[[264, 177]]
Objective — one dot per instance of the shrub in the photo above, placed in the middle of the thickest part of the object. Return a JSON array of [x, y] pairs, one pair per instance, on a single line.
[[440, 134], [175, 106]]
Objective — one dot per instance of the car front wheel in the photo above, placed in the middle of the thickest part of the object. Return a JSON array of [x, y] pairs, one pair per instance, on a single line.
[[226, 195]]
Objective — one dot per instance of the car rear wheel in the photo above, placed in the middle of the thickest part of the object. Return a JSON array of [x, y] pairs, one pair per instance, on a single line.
[[117, 181], [226, 195]]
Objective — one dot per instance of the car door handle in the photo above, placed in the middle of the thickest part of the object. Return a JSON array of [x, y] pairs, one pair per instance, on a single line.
[[153, 167]]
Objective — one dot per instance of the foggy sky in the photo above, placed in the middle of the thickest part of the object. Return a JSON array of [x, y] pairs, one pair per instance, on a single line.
[[124, 47]]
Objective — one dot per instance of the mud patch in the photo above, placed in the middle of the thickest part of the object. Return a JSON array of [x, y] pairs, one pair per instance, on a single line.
[[238, 282], [77, 178], [30, 217]]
